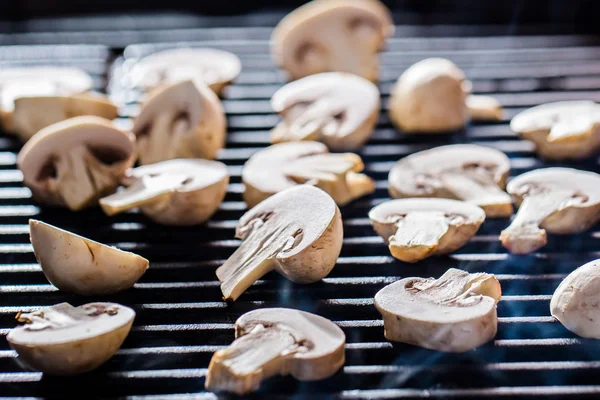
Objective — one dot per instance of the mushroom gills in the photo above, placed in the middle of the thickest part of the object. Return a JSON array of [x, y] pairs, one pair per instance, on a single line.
[[418, 235]]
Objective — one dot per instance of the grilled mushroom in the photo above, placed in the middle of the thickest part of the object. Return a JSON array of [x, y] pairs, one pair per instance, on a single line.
[[67, 340], [332, 35], [277, 341], [335, 108], [471, 173], [174, 192], [557, 200], [181, 120], [75, 162], [418, 228], [297, 232], [285, 165], [485, 108], [454, 313]]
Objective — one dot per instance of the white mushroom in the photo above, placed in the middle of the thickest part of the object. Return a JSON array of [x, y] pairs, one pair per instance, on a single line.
[[454, 313], [484, 108], [67, 340], [297, 232], [277, 341]]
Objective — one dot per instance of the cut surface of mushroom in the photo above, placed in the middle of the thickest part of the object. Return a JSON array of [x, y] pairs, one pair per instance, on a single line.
[[557, 200], [79, 265], [173, 192], [180, 120], [277, 341], [297, 232], [67, 340], [75, 162], [415, 229], [484, 108], [338, 109], [332, 35], [286, 165], [454, 313], [471, 173]]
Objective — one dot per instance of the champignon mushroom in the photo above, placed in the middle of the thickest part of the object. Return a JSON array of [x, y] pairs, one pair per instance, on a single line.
[[418, 228], [297, 232], [336, 108], [277, 341], [285, 165], [472, 173], [561, 130], [75, 162], [173, 192], [180, 120], [557, 200], [332, 35], [67, 340], [454, 313], [485, 108]]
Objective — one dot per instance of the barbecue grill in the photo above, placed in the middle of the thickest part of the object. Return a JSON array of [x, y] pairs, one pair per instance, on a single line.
[[181, 319]]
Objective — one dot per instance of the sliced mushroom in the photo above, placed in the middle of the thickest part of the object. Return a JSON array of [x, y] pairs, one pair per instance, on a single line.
[[557, 200], [285, 165], [454, 313], [418, 228], [472, 173], [67, 340], [332, 35], [75, 162], [297, 232], [174, 192], [484, 108], [335, 108], [181, 120], [561, 130], [277, 341]]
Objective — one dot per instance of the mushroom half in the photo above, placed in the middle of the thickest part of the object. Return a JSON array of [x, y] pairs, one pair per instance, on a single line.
[[472, 173], [415, 229], [454, 313], [75, 162], [173, 192], [332, 35], [277, 341], [297, 232], [286, 165], [67, 340], [557, 200]]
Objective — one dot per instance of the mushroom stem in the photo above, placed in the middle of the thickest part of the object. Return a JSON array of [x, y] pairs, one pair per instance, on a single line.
[[418, 235], [479, 190], [79, 186]]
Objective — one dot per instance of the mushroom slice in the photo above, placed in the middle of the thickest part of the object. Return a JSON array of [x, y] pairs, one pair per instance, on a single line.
[[277, 341], [67, 340], [180, 120], [418, 228], [332, 35], [557, 200], [561, 130], [297, 232], [79, 265], [454, 313], [173, 192], [285, 165], [335, 108], [484, 108], [75, 162], [472, 173]]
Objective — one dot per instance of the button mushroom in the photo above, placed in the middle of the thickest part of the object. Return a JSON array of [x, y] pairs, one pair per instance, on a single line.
[[561, 130], [335, 108], [485, 108], [332, 35], [285, 165], [472, 173], [418, 228], [174, 192], [180, 120], [454, 313], [67, 340], [297, 232], [557, 200], [277, 341], [75, 162]]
